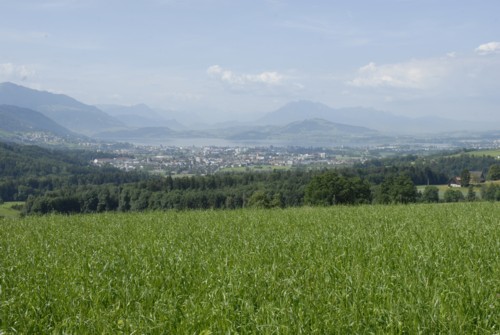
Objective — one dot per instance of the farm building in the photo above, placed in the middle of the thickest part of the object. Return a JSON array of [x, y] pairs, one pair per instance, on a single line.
[[476, 177], [455, 182]]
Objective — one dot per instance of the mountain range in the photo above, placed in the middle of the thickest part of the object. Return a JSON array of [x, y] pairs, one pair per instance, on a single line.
[[66, 111], [25, 109], [367, 117], [18, 119], [141, 115]]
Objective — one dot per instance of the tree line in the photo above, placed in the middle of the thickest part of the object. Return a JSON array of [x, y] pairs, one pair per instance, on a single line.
[[65, 182], [28, 170]]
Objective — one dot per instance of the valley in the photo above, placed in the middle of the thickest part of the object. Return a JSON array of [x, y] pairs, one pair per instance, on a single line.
[[38, 117]]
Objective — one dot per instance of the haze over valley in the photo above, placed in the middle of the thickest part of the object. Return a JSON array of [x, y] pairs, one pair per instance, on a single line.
[[273, 71], [303, 123]]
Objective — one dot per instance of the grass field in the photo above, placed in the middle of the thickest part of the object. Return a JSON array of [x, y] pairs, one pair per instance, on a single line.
[[490, 152], [371, 269], [6, 209], [464, 190], [493, 153]]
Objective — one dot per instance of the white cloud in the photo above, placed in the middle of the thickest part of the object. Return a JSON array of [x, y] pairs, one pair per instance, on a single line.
[[9, 71], [229, 77], [445, 85], [488, 48], [414, 74]]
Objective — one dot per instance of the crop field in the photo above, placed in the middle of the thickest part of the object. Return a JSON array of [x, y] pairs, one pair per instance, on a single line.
[[341, 270]]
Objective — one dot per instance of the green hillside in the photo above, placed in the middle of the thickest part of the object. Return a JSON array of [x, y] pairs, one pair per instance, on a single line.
[[16, 119], [28, 170], [66, 111], [341, 270]]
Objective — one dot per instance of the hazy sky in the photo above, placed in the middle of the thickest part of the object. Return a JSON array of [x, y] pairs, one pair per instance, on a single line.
[[240, 58]]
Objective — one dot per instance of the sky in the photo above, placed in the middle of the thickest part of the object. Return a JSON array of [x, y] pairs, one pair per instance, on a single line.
[[238, 59]]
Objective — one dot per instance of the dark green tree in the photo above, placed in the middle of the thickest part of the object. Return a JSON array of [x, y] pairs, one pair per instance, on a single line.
[[465, 178], [431, 194], [108, 200], [494, 172], [259, 199], [277, 201], [332, 188], [403, 190], [124, 201], [90, 201], [396, 189], [471, 194], [451, 195], [490, 192]]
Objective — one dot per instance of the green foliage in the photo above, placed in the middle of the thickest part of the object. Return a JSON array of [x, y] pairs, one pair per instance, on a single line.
[[413, 269], [396, 189], [490, 192], [259, 199], [455, 165], [471, 194], [430, 194], [453, 195], [221, 191], [429, 170], [465, 178], [331, 188], [494, 172], [64, 182], [32, 171]]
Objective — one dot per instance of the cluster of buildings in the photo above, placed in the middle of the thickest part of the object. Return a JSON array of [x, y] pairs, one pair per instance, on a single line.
[[211, 159]]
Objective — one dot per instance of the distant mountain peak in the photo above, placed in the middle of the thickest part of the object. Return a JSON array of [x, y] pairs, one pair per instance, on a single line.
[[140, 116], [298, 111], [61, 108], [355, 116], [18, 119]]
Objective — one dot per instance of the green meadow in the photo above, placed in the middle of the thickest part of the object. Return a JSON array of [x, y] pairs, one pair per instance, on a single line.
[[340, 270], [493, 153], [479, 153], [11, 209]]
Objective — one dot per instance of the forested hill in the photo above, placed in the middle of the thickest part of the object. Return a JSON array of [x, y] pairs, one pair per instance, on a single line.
[[29, 160], [65, 181], [31, 170]]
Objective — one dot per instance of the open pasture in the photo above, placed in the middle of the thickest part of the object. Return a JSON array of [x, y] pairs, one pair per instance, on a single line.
[[340, 270], [11, 209]]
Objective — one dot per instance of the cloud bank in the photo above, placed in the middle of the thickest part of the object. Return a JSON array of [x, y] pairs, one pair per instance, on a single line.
[[229, 77], [414, 74], [469, 72], [489, 48]]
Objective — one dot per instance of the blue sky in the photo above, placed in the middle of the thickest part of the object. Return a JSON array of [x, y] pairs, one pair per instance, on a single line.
[[230, 59]]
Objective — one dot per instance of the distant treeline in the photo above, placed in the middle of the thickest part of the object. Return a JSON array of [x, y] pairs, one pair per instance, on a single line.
[[27, 170], [231, 191], [65, 182]]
